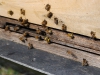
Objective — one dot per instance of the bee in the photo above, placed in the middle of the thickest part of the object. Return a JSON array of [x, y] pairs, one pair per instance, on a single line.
[[7, 28], [27, 25], [56, 21], [30, 46], [38, 31], [64, 27], [10, 12], [38, 37], [47, 39], [71, 53], [85, 62], [50, 14], [22, 11], [71, 35], [44, 23], [23, 39], [93, 35], [25, 21], [47, 7], [16, 28], [20, 19], [25, 34], [49, 31]]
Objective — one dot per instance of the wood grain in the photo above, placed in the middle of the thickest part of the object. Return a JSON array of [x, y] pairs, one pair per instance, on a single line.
[[77, 55], [80, 16]]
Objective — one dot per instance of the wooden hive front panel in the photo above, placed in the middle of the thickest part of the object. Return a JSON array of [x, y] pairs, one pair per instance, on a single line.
[[80, 16]]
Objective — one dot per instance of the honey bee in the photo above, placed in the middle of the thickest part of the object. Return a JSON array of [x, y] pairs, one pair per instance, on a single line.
[[25, 34], [47, 39], [25, 21], [56, 21], [64, 27], [23, 39], [27, 25], [44, 23], [10, 12], [49, 31], [20, 19], [71, 35], [30, 46], [71, 53], [38, 31], [22, 11], [85, 62], [38, 37], [93, 35], [16, 28], [7, 28], [50, 14], [47, 7]]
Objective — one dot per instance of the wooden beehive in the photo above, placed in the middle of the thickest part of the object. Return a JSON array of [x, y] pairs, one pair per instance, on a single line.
[[65, 18]]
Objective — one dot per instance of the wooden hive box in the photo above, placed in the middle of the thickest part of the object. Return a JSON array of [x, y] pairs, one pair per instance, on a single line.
[[78, 16]]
